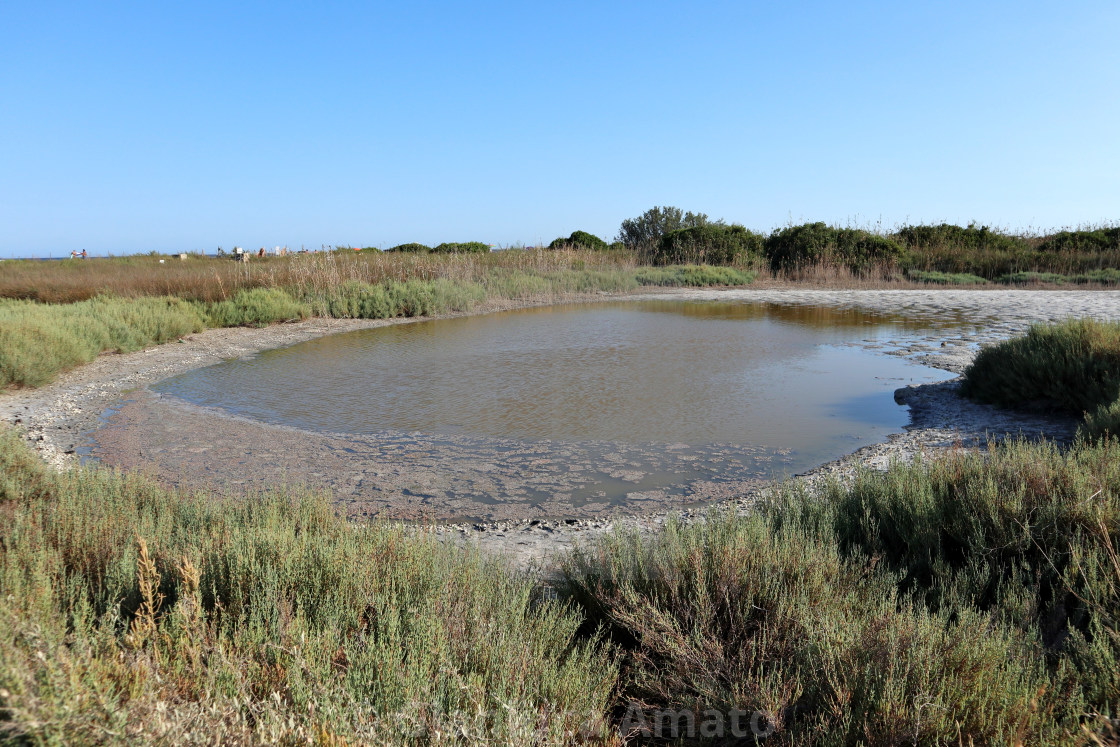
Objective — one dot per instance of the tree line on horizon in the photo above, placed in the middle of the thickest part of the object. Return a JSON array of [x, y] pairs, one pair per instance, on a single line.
[[944, 252], [669, 235]]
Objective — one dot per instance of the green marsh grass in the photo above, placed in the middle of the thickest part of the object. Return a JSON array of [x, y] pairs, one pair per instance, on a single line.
[[37, 341], [967, 600], [945, 278], [43, 339], [694, 276], [130, 613], [1073, 366]]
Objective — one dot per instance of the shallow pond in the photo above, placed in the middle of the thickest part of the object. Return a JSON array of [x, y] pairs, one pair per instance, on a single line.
[[614, 403]]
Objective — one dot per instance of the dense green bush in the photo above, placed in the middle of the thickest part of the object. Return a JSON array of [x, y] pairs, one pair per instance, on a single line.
[[820, 243], [965, 600], [466, 247], [580, 239], [971, 238], [1102, 422], [356, 300], [975, 250], [256, 307], [1095, 240], [713, 244], [1073, 366], [1107, 276], [1009, 534], [413, 247], [37, 340]]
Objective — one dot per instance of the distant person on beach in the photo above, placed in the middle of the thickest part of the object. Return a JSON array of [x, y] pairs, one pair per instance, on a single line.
[[73, 254], [261, 252], [83, 254]]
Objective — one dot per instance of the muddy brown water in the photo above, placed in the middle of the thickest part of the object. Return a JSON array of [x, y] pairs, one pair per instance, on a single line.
[[577, 410]]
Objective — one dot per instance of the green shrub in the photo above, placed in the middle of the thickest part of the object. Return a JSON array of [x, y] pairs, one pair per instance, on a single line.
[[972, 238], [742, 613], [945, 278], [356, 300], [1009, 534], [580, 239], [468, 247], [969, 599], [38, 341], [448, 295], [1095, 240], [256, 307], [713, 244], [1102, 422], [1104, 277], [1034, 278], [130, 613], [413, 247], [517, 284], [1108, 276], [1074, 366], [693, 276], [819, 243]]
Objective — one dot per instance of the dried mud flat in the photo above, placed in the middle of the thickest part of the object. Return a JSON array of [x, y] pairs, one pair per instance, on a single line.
[[56, 419]]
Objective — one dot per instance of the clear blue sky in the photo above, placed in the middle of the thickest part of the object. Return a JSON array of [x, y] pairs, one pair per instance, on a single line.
[[129, 127]]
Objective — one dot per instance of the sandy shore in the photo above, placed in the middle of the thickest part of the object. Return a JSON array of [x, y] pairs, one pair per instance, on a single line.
[[57, 418]]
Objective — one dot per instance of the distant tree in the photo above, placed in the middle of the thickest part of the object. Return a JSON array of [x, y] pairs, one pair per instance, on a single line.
[[462, 247], [581, 239], [413, 247], [644, 232]]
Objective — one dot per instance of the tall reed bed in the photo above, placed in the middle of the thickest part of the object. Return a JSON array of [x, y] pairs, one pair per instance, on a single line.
[[209, 279], [134, 614]]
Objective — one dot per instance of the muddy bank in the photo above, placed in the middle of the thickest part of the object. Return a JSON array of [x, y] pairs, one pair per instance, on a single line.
[[56, 417], [418, 477]]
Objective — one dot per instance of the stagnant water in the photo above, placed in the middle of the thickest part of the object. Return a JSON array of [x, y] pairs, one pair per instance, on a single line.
[[687, 392]]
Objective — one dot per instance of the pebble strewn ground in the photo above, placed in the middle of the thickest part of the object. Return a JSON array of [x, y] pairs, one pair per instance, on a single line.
[[56, 418]]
